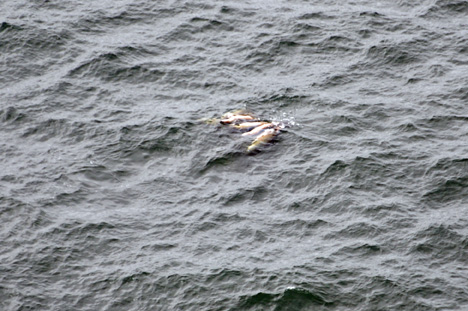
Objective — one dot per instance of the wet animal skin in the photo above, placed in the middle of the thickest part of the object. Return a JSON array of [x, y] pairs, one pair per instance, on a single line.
[[241, 120]]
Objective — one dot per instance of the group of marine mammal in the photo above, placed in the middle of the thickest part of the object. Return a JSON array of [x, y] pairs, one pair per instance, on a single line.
[[250, 125]]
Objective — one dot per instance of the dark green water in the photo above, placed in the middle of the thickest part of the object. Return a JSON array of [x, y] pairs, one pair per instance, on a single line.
[[114, 196]]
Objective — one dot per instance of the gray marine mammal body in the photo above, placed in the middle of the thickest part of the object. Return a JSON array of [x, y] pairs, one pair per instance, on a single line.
[[266, 131]]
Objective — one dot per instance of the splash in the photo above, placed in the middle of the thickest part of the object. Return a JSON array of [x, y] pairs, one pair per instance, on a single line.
[[284, 119]]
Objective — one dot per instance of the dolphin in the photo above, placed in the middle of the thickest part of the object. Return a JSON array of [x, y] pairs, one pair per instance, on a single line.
[[259, 129], [262, 139], [249, 125], [234, 113], [237, 118]]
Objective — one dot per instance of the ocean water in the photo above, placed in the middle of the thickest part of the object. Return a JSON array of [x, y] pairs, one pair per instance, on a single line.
[[115, 196]]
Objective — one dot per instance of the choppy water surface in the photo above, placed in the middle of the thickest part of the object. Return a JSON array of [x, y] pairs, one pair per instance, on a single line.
[[113, 196]]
